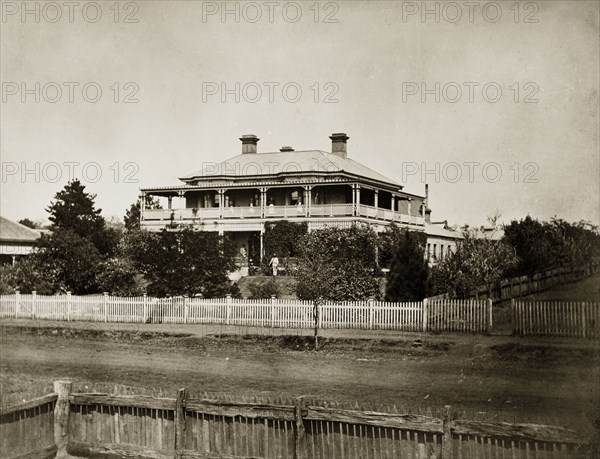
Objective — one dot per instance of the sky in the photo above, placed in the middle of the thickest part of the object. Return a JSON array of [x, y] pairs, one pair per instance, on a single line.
[[495, 105]]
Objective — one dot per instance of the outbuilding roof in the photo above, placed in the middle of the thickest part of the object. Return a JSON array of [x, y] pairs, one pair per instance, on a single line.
[[15, 232], [440, 231]]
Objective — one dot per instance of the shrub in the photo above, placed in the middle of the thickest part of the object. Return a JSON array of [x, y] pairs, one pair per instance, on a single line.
[[264, 288], [338, 264]]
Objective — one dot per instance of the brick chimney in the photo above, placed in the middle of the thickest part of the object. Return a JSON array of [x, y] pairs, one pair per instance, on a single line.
[[249, 144], [286, 148], [338, 144]]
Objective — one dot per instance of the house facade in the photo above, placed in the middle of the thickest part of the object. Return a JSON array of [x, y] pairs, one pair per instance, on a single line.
[[441, 241], [241, 195]]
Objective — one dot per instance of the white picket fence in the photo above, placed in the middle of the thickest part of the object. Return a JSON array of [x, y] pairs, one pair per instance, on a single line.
[[443, 315], [459, 315], [556, 318]]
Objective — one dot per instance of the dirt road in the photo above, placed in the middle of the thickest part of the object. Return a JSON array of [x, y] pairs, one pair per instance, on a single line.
[[510, 381]]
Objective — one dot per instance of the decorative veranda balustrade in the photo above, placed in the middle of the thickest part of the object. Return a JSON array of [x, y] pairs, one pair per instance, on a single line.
[[297, 211]]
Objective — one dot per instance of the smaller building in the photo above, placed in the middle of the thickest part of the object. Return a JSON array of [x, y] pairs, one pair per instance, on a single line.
[[441, 241], [16, 240]]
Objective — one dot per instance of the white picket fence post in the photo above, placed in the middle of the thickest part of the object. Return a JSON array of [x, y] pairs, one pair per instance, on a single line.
[[583, 314], [185, 310], [273, 301], [371, 312], [489, 316], [105, 306], [425, 314], [33, 305], [145, 304], [17, 303], [228, 301], [68, 306]]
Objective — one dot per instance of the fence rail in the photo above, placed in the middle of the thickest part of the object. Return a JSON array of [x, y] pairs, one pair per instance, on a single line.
[[443, 315], [556, 318], [184, 426]]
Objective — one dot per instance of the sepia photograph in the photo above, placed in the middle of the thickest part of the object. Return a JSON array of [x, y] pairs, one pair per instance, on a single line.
[[352, 229]]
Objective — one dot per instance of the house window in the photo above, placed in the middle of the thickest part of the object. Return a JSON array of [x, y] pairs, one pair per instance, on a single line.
[[441, 251], [435, 251], [428, 251], [294, 197]]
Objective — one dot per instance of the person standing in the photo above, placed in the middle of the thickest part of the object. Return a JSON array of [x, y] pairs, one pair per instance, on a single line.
[[274, 263]]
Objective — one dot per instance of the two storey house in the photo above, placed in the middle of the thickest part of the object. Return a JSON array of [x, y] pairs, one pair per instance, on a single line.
[[240, 195]]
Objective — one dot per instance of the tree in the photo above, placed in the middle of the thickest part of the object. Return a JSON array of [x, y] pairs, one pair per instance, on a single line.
[[26, 275], [391, 238], [118, 276], [534, 244], [28, 223], [133, 214], [336, 265], [75, 210], [575, 244], [542, 246], [408, 279], [182, 262], [71, 257], [474, 263], [72, 262], [494, 218]]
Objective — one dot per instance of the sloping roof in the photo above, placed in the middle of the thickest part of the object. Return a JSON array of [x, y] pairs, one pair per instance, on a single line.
[[15, 232], [493, 234], [286, 162], [440, 231]]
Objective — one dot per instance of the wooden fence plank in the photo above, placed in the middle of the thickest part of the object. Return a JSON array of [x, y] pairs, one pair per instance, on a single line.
[[61, 417], [180, 420], [299, 432], [33, 403], [447, 452]]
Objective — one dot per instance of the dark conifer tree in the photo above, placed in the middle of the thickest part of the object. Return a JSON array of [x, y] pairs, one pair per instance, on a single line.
[[408, 279]]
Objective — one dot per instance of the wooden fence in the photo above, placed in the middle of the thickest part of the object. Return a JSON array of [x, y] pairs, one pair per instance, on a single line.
[[84, 424], [556, 318], [517, 287], [443, 315], [27, 430]]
